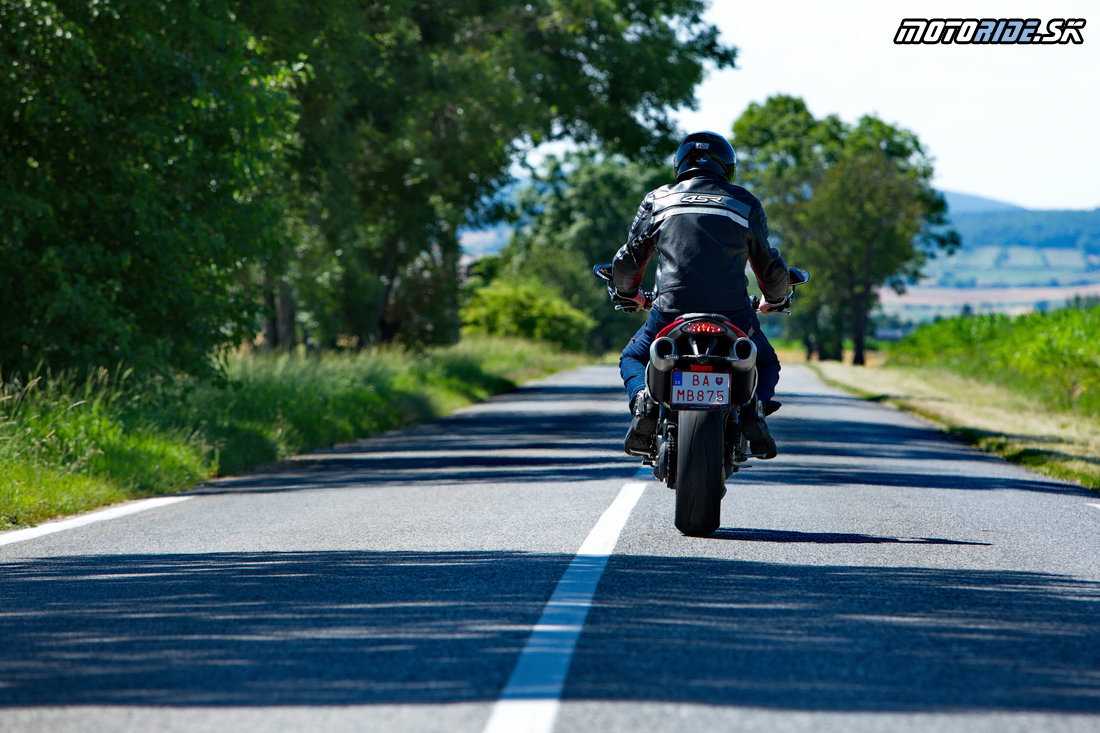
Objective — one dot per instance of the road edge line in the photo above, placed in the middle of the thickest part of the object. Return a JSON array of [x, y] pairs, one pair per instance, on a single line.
[[22, 535]]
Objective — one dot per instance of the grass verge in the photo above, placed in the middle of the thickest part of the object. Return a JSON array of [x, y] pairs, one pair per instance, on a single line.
[[69, 446], [994, 418]]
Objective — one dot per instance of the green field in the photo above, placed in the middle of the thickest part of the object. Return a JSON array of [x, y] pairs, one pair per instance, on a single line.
[[1024, 388], [1052, 357], [1012, 266]]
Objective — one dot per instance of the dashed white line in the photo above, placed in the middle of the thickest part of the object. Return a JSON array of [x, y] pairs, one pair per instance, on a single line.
[[21, 535], [532, 696]]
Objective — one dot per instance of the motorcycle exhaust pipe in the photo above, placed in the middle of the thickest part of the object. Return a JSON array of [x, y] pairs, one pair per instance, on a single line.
[[744, 355], [663, 355]]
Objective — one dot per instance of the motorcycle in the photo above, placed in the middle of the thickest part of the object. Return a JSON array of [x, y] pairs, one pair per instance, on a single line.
[[701, 371]]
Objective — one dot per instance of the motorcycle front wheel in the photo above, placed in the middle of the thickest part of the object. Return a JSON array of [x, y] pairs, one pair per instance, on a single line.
[[700, 471]]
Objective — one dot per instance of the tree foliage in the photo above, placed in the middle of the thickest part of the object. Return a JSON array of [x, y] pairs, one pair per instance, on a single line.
[[140, 144], [415, 113], [853, 204], [171, 168], [575, 215]]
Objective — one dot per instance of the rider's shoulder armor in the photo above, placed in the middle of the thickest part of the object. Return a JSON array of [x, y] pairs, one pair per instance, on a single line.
[[703, 196]]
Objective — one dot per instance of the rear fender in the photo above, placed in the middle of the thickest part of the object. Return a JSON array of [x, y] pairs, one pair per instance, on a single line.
[[741, 367]]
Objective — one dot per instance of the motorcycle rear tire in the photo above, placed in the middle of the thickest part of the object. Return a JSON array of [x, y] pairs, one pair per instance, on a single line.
[[700, 471]]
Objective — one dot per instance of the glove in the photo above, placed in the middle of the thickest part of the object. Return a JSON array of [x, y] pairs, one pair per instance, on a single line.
[[630, 303], [769, 306]]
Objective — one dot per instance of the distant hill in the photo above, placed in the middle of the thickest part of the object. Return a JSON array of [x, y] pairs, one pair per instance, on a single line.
[[1069, 229], [965, 203], [1004, 245], [984, 222]]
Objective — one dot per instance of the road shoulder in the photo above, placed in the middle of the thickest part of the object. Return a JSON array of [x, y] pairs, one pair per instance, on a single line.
[[1062, 445]]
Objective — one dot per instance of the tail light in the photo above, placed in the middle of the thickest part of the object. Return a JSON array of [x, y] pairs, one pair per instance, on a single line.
[[703, 327]]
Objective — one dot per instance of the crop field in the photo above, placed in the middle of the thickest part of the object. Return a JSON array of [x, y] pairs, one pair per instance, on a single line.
[[1054, 358], [977, 376], [923, 302], [1013, 265]]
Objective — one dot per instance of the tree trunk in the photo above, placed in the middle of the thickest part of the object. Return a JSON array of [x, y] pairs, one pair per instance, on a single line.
[[830, 342], [270, 331], [279, 317], [860, 318], [374, 328], [285, 316], [859, 337], [830, 348]]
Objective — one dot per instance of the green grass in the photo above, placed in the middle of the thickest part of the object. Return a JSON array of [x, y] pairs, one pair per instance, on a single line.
[[1052, 357], [1050, 362], [1077, 469], [68, 446], [993, 417]]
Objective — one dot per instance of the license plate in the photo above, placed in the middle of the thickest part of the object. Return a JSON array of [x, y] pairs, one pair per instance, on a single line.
[[700, 389]]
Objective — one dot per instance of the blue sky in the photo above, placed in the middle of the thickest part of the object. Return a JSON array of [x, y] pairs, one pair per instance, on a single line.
[[1015, 123]]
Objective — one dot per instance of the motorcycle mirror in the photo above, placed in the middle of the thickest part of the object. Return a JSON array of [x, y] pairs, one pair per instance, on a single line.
[[798, 276], [603, 272]]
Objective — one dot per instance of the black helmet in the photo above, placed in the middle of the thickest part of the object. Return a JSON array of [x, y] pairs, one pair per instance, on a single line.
[[707, 151]]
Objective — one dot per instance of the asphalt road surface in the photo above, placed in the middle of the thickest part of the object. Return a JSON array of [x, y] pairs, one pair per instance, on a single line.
[[506, 569]]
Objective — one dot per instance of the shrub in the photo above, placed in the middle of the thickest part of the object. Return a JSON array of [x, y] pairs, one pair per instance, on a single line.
[[526, 310]]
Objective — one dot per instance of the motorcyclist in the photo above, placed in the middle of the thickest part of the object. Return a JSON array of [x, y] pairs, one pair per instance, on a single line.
[[706, 230]]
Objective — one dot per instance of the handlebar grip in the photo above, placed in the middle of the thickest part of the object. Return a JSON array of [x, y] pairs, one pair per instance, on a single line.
[[783, 307]]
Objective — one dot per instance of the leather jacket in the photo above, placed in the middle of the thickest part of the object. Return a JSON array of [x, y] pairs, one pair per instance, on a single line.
[[706, 231]]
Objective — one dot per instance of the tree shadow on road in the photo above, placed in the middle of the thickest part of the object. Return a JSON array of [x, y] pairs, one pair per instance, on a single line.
[[841, 638], [343, 628], [510, 446], [935, 460]]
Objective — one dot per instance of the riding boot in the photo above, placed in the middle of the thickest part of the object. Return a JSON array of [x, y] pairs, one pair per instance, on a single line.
[[756, 430], [640, 437]]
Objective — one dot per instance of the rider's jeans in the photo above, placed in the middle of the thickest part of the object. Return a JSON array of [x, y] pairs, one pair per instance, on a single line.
[[636, 354]]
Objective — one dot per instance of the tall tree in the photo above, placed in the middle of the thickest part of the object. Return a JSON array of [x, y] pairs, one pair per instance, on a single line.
[[140, 146], [852, 203], [415, 112]]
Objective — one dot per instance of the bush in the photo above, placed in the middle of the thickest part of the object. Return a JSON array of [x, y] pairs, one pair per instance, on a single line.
[[526, 310]]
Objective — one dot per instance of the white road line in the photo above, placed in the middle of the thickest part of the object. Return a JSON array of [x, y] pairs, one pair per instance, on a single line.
[[21, 535], [1097, 506], [532, 696]]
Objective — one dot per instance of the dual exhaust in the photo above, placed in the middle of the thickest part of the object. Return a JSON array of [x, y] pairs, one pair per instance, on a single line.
[[663, 354]]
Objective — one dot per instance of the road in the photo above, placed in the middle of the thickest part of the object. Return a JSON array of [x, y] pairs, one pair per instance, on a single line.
[[876, 576]]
